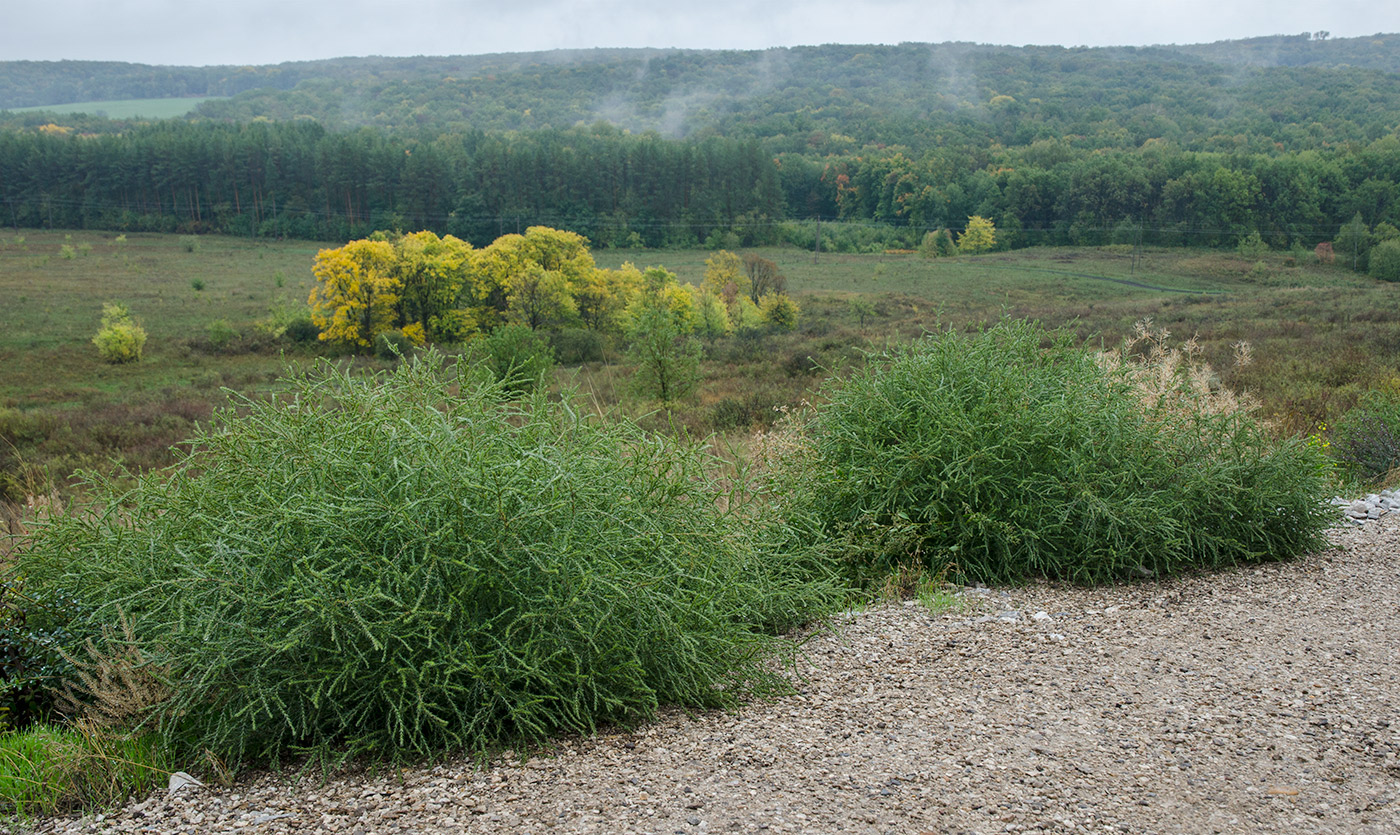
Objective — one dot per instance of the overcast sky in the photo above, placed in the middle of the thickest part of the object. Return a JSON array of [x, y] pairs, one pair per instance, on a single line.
[[270, 31]]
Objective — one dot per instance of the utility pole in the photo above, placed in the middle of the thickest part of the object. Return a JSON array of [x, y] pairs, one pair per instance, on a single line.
[[817, 250]]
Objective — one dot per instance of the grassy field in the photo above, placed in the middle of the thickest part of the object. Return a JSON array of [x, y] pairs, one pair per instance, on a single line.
[[124, 108], [1321, 335]]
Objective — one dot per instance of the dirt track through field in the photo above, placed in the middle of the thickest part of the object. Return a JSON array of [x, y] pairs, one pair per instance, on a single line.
[[1258, 700]]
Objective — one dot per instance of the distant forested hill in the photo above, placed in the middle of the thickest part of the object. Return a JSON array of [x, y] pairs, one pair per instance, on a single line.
[[1287, 136], [889, 95]]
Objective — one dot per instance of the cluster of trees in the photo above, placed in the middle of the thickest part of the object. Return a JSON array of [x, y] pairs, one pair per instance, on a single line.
[[1364, 248], [441, 289]]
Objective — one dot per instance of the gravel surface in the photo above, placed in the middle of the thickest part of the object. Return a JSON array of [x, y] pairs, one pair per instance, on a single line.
[[1259, 700]]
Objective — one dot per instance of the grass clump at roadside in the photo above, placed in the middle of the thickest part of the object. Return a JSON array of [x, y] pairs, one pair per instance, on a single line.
[[414, 563], [1012, 454], [45, 770]]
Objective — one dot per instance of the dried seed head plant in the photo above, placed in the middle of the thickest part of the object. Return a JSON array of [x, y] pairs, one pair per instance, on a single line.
[[117, 684], [1175, 380]]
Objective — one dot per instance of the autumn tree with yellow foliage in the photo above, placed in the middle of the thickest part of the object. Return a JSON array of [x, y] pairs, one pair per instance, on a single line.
[[357, 293]]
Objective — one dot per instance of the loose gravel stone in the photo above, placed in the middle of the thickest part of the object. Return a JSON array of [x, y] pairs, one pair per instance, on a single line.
[[1257, 700]]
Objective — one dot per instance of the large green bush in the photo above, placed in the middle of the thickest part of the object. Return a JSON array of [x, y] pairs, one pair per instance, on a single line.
[[1003, 459], [398, 566]]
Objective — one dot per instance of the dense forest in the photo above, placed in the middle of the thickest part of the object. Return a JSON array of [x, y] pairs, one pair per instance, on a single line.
[[1289, 137]]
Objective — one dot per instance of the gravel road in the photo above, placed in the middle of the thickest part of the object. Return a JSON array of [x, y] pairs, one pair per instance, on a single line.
[[1258, 700]]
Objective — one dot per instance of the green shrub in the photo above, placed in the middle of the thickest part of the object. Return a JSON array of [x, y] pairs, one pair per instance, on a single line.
[[32, 628], [302, 329], [667, 360], [119, 338], [1001, 460], [220, 334], [189, 243], [518, 357], [390, 345], [779, 311], [575, 346], [1365, 442], [1385, 261], [398, 565]]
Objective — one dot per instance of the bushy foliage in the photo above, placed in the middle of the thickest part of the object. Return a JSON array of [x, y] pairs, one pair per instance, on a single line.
[[1366, 440], [667, 358], [518, 357], [1001, 460], [779, 311], [414, 563], [302, 329], [574, 346], [979, 236], [937, 245], [32, 628], [1385, 261], [392, 345], [119, 338]]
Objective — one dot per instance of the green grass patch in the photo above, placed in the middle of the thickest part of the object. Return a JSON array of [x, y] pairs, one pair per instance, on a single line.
[[47, 770]]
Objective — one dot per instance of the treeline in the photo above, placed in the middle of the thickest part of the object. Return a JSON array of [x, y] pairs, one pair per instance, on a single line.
[[299, 180]]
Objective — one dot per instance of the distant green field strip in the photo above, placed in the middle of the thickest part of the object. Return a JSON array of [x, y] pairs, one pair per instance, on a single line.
[[125, 108], [1124, 281]]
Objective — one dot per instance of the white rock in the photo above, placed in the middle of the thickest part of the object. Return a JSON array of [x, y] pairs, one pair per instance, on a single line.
[[180, 779]]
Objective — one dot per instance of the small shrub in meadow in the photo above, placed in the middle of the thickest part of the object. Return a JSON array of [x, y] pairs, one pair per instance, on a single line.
[[301, 330], [1000, 459], [414, 563], [119, 338], [1365, 441], [220, 334], [575, 346], [1385, 260]]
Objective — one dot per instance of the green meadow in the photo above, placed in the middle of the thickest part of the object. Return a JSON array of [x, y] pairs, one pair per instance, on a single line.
[[1320, 335]]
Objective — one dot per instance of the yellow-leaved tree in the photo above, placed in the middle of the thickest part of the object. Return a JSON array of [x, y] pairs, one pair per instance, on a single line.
[[356, 294], [433, 272], [979, 236], [725, 276]]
